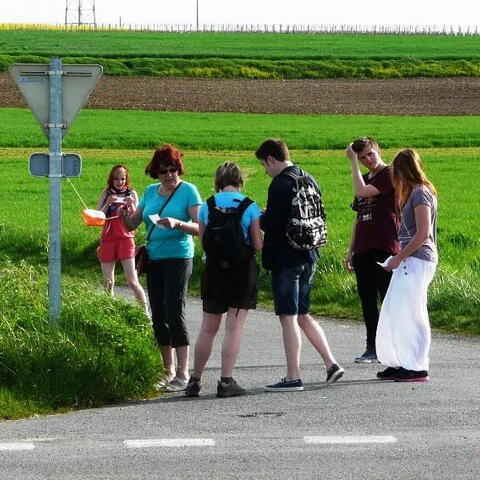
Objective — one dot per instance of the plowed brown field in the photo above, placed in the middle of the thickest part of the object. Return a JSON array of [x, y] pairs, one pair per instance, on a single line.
[[418, 96]]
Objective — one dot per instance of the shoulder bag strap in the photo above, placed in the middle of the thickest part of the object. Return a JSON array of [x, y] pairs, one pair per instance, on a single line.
[[149, 234]]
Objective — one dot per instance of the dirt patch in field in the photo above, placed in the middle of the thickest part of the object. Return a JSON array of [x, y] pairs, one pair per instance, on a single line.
[[418, 96]]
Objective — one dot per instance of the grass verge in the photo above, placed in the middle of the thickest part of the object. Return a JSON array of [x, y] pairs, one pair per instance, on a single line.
[[101, 351]]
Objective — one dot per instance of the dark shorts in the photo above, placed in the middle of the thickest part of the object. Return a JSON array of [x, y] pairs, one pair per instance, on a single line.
[[226, 288], [291, 289], [113, 250]]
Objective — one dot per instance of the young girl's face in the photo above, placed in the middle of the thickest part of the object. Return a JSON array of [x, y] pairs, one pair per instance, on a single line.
[[120, 178]]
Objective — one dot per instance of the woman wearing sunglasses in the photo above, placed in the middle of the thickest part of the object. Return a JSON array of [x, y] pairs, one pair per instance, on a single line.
[[169, 209]]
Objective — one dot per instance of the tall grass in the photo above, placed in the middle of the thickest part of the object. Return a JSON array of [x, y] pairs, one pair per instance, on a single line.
[[101, 351], [265, 69]]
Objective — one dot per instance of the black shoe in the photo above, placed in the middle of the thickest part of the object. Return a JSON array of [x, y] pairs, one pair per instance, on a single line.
[[230, 389], [412, 376], [334, 373], [389, 373], [285, 385], [193, 388], [368, 356]]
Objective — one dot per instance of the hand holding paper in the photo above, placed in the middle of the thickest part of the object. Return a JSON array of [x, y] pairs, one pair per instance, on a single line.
[[155, 218]]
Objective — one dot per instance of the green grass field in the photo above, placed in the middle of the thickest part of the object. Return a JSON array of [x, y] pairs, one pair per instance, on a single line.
[[130, 129], [219, 55], [223, 45], [453, 170]]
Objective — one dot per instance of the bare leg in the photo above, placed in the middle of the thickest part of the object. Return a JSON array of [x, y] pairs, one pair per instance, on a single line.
[[317, 338], [108, 271], [292, 342], [182, 362], [132, 279], [167, 357], [203, 346], [231, 342]]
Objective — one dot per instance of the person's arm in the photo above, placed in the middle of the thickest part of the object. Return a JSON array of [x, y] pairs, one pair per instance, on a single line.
[[278, 207], [422, 222], [256, 235], [359, 187], [348, 259], [131, 202], [104, 202], [186, 227], [132, 222]]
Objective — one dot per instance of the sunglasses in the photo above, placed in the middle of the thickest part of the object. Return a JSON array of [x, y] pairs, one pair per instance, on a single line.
[[163, 171]]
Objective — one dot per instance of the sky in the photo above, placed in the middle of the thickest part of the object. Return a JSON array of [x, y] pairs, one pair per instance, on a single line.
[[252, 12]]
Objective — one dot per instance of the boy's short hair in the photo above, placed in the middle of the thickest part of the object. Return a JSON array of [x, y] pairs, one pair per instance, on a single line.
[[273, 147], [360, 143], [228, 173]]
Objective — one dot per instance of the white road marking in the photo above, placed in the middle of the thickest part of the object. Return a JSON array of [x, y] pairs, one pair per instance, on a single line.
[[16, 446], [170, 442], [352, 439]]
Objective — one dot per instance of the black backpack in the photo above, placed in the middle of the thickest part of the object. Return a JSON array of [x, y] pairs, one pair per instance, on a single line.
[[306, 227], [223, 240]]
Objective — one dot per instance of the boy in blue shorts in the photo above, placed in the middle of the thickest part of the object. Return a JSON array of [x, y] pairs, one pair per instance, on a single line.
[[292, 270]]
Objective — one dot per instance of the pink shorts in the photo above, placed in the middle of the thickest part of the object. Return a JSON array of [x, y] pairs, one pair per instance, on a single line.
[[113, 250]]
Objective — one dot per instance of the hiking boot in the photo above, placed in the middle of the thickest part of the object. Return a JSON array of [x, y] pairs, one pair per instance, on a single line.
[[285, 385], [230, 389], [176, 385], [368, 356], [412, 376], [334, 373], [389, 373], [193, 387]]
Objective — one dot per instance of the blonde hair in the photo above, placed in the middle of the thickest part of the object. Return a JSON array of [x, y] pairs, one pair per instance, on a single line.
[[407, 173], [228, 173]]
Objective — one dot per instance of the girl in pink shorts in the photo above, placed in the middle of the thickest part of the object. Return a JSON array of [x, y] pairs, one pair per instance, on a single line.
[[116, 242]]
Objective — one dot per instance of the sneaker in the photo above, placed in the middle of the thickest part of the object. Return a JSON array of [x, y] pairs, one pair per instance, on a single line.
[[334, 373], [412, 376], [176, 385], [160, 385], [229, 389], [389, 373], [193, 388], [368, 356], [285, 385]]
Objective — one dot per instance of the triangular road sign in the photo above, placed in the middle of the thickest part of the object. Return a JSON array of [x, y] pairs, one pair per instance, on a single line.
[[33, 80]]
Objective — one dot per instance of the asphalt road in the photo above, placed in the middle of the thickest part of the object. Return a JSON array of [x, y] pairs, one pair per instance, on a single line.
[[359, 428]]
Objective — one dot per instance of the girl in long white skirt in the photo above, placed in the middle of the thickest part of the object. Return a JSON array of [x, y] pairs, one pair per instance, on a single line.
[[403, 333]]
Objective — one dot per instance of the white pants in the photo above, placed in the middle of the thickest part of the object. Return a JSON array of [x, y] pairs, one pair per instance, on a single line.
[[403, 332]]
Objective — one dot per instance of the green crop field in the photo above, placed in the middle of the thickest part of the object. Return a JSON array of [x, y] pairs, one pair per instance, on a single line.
[[131, 129], [209, 139], [220, 55], [224, 45]]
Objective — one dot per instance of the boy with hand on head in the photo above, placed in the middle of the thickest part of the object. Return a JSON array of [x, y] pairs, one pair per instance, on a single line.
[[292, 269], [374, 235]]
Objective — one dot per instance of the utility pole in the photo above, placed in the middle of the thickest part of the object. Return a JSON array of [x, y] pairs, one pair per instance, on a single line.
[[197, 16]]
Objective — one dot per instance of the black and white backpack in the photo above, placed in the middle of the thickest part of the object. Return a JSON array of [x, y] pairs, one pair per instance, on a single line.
[[307, 224]]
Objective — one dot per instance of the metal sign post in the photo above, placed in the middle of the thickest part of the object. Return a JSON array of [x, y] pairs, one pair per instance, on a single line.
[[55, 93], [55, 177]]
